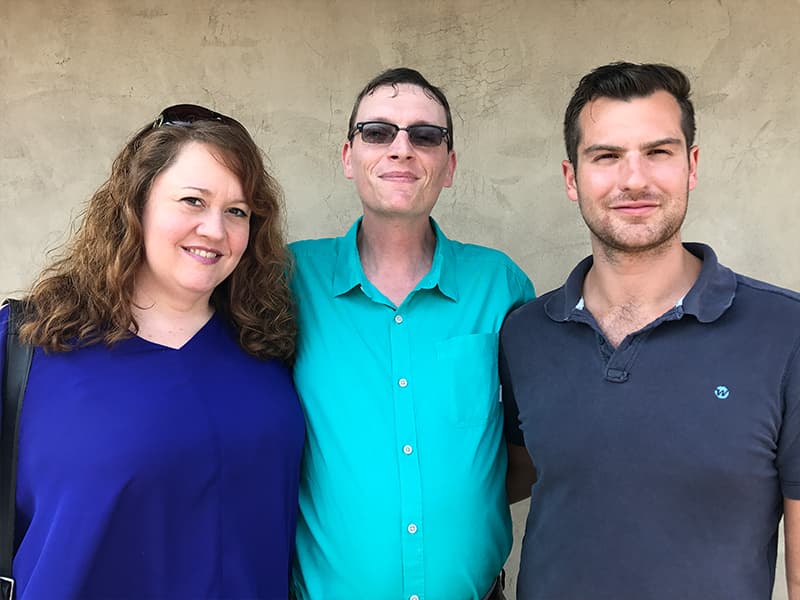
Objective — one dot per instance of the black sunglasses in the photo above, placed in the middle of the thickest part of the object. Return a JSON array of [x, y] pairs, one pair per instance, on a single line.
[[379, 132], [186, 114]]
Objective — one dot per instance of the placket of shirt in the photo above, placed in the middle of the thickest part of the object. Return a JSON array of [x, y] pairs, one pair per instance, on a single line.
[[404, 392], [618, 361]]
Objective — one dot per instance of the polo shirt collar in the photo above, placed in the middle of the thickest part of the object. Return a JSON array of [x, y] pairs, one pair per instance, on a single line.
[[713, 292], [711, 295], [349, 273]]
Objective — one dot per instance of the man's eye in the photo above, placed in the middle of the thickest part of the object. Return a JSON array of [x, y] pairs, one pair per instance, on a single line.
[[376, 134], [427, 136]]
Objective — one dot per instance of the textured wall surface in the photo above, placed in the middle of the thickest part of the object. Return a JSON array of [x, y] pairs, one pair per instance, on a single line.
[[78, 77]]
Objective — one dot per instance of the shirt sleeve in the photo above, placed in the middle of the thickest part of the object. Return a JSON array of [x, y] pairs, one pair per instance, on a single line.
[[511, 427], [788, 460], [525, 285]]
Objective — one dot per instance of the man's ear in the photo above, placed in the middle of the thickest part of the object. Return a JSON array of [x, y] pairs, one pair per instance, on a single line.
[[346, 165], [694, 155], [451, 169], [569, 180]]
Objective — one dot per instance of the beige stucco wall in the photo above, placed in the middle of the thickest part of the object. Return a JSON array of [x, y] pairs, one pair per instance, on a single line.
[[77, 77]]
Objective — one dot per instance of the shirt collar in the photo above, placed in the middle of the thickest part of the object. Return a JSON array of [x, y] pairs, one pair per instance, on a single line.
[[713, 292], [349, 273], [708, 299], [443, 267]]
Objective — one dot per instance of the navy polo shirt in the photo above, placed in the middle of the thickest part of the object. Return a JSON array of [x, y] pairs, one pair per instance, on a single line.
[[662, 463]]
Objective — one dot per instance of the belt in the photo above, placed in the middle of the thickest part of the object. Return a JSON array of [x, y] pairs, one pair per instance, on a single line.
[[496, 591]]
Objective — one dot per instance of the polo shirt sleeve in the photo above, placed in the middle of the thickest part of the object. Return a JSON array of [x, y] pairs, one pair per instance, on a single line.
[[525, 292], [511, 427], [788, 460]]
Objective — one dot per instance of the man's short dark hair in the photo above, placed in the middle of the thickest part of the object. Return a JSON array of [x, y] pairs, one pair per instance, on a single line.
[[395, 77], [623, 81]]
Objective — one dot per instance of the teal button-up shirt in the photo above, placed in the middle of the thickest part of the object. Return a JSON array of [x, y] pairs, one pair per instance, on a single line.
[[402, 494]]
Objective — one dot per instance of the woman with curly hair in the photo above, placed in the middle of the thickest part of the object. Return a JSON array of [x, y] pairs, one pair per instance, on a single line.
[[161, 437]]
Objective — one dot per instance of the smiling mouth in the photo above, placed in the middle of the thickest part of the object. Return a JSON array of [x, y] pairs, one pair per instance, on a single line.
[[636, 209], [202, 253], [408, 177], [640, 205]]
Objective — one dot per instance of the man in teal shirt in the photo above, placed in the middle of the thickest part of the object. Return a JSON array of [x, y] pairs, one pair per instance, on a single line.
[[403, 488]]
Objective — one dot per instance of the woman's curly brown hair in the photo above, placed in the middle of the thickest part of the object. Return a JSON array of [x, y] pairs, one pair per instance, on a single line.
[[86, 296]]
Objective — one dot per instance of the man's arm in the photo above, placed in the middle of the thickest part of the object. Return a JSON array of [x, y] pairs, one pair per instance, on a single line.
[[788, 450], [791, 533], [521, 474]]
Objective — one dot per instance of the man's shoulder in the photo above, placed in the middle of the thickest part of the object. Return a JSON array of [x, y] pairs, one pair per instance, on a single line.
[[768, 292], [484, 256], [768, 300], [478, 251], [483, 268], [320, 255], [314, 262], [312, 246], [531, 310]]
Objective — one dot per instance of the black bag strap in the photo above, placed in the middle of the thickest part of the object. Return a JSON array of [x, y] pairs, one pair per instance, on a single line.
[[15, 379]]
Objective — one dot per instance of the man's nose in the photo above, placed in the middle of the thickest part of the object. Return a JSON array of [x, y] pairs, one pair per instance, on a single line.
[[634, 173], [401, 146]]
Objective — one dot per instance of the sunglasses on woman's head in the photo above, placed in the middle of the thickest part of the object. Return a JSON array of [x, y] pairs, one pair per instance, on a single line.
[[186, 114]]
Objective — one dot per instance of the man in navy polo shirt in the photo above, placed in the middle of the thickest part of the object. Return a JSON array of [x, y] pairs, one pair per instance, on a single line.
[[657, 392]]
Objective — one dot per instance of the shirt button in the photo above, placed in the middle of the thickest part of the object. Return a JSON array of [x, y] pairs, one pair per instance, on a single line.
[[412, 529], [402, 382], [398, 319], [407, 449], [413, 597]]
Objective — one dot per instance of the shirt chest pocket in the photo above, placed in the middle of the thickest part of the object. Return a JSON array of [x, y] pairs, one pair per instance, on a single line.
[[467, 371]]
